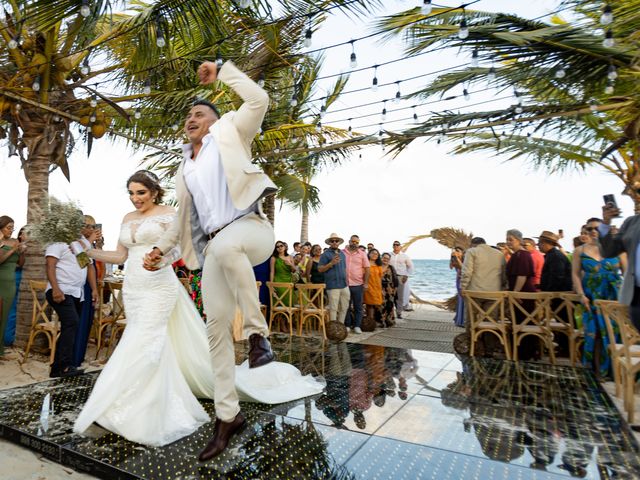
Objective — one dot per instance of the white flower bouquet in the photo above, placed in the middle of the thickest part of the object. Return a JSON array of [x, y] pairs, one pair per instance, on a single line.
[[61, 222]]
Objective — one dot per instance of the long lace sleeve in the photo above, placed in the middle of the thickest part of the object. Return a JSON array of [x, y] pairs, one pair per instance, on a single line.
[[173, 254], [117, 257]]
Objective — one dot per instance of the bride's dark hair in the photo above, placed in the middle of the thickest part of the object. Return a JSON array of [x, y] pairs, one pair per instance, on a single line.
[[149, 180]]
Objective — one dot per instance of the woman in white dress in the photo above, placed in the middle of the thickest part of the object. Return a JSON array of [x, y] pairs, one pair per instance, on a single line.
[[147, 390]]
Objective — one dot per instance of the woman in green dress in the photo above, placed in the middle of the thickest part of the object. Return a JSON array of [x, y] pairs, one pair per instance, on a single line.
[[281, 267], [10, 251]]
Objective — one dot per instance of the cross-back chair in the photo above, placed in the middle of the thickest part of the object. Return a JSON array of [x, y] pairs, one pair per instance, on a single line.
[[486, 315], [282, 307], [312, 308], [43, 319], [535, 322]]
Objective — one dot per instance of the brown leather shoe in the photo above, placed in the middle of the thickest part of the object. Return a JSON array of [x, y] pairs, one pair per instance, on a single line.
[[260, 352], [220, 440]]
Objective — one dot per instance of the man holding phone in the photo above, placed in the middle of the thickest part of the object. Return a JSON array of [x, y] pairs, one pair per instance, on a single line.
[[626, 239]]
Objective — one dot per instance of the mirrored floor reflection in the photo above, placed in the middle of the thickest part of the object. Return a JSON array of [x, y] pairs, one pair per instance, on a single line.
[[385, 413]]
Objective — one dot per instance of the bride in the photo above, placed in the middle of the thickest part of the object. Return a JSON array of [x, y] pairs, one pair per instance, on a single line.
[[147, 390]]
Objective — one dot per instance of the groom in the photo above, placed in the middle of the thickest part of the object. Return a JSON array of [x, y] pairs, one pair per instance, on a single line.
[[221, 229]]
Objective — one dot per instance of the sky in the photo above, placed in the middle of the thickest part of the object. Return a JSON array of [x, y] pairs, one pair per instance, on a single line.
[[380, 198]]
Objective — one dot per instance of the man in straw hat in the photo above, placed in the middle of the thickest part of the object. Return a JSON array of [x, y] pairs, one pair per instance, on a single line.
[[556, 272], [333, 264]]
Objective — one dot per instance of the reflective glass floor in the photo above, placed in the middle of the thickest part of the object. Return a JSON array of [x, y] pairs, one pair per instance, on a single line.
[[386, 413]]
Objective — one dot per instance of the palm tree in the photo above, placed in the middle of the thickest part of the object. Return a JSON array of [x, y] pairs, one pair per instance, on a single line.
[[58, 60], [575, 100]]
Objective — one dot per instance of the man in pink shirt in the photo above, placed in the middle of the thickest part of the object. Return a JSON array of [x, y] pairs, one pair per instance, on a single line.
[[357, 280], [538, 260]]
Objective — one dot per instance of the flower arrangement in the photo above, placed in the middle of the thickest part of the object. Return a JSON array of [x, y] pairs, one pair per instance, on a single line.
[[61, 222]]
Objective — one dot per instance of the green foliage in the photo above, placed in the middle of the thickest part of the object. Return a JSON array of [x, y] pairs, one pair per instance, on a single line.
[[60, 222]]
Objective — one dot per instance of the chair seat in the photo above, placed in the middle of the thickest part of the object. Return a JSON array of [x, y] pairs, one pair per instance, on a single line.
[[554, 325], [530, 329], [49, 326], [122, 322], [619, 348], [491, 326]]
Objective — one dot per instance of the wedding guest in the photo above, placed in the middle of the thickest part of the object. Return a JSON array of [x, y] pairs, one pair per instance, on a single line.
[[556, 272], [389, 282], [373, 293], [333, 264], [483, 268], [89, 230], [596, 277], [538, 260], [10, 252], [404, 268], [520, 276], [281, 268], [455, 262], [370, 247], [312, 274], [296, 247], [10, 330], [65, 294], [504, 248], [358, 280]]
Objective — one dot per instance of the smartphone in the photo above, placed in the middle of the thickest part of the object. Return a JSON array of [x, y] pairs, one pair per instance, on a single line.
[[98, 226], [610, 201]]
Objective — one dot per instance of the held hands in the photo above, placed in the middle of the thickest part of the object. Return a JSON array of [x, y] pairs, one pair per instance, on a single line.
[[152, 260], [609, 211], [207, 73]]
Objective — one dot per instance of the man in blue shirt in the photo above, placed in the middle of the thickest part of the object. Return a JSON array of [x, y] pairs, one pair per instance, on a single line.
[[333, 264]]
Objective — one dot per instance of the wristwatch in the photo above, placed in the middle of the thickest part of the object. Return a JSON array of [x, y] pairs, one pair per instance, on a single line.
[[219, 62]]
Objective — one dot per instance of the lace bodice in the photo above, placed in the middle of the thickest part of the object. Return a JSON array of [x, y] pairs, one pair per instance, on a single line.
[[145, 231]]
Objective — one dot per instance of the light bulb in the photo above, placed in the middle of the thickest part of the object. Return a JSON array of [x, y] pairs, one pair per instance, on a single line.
[[84, 69], [593, 107], [514, 122], [18, 107], [13, 44], [426, 8], [318, 127], [353, 61], [607, 15], [415, 116], [244, 3], [56, 118], [137, 114], [491, 75], [474, 58], [93, 102], [560, 73], [160, 41], [519, 109], [293, 102], [147, 88], [307, 38], [463, 33], [261, 80], [441, 138], [608, 41], [323, 111], [350, 130], [92, 118], [608, 89], [261, 136], [397, 97], [612, 74], [85, 11], [384, 114], [36, 84], [374, 84], [175, 127], [465, 94]]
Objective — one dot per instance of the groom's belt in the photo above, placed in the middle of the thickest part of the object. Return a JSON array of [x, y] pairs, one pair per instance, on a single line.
[[217, 231]]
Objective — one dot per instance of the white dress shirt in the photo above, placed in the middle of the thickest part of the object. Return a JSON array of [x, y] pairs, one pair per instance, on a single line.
[[71, 278], [402, 263], [206, 182]]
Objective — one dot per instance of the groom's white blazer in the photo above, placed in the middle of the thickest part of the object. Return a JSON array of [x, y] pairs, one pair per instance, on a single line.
[[247, 184]]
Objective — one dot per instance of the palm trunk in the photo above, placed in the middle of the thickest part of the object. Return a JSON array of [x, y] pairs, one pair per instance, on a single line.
[[304, 224], [37, 174], [269, 208]]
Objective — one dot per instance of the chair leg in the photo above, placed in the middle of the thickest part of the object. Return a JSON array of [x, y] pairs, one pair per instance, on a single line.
[[28, 347], [53, 342], [515, 347], [507, 346], [472, 346]]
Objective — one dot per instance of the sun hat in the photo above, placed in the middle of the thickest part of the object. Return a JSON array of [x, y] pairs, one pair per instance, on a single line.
[[550, 237], [332, 237]]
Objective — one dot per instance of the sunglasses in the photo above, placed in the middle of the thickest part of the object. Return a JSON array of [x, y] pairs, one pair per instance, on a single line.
[[396, 244], [279, 246], [591, 229], [334, 241]]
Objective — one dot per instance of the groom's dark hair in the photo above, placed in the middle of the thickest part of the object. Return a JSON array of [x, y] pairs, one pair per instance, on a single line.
[[206, 103]]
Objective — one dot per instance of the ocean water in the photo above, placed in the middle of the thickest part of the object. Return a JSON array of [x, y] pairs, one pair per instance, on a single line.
[[433, 280]]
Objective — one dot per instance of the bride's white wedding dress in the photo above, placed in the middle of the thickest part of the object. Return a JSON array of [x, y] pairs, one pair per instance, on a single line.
[[147, 390]]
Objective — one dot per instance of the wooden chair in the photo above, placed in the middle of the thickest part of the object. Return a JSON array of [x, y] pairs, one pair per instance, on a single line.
[[41, 323], [281, 300], [107, 317], [563, 321], [536, 323], [486, 315], [311, 301], [612, 311], [629, 357], [263, 308]]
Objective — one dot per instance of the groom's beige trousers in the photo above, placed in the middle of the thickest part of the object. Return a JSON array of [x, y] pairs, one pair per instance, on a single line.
[[228, 282]]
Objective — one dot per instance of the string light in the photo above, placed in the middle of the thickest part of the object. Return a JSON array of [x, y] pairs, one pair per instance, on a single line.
[[13, 43], [353, 61], [374, 83], [607, 15], [147, 87], [93, 102], [307, 37], [36, 84], [380, 130], [85, 69], [426, 8], [415, 115], [463, 33], [491, 75], [350, 129], [560, 73], [294, 101], [593, 106], [160, 41], [383, 116], [612, 74], [519, 110], [244, 3], [609, 88], [398, 94], [465, 94], [319, 127], [85, 11], [323, 111], [474, 58], [261, 80], [137, 114], [175, 127], [608, 41]]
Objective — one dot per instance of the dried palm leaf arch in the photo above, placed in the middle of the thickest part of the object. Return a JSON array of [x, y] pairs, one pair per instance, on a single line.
[[449, 237]]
